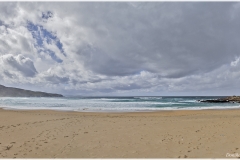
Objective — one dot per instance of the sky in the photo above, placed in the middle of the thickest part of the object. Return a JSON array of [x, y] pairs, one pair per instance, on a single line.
[[121, 48]]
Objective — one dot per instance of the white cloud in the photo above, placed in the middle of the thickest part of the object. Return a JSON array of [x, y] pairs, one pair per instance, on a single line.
[[18, 65], [235, 63]]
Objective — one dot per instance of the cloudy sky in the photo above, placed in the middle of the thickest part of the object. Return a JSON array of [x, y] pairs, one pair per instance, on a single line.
[[121, 48]]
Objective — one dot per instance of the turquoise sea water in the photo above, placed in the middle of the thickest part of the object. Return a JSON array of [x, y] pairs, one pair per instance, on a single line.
[[113, 104]]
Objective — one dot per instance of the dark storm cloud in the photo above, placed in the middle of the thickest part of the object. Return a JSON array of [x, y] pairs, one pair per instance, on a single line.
[[172, 39]]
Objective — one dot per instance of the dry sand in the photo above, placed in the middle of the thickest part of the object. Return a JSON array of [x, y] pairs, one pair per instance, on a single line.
[[168, 134]]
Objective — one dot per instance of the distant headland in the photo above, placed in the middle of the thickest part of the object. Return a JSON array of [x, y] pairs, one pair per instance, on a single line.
[[17, 92]]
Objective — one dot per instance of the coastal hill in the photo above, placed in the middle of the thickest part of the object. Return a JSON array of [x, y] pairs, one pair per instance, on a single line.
[[16, 92]]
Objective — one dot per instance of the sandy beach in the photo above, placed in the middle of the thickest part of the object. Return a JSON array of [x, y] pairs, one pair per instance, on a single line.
[[166, 134]]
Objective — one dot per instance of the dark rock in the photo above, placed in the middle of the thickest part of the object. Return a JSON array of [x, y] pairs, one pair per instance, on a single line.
[[215, 101], [232, 99]]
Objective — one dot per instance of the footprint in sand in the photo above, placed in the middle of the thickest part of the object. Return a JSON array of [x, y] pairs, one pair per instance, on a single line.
[[8, 147], [185, 156]]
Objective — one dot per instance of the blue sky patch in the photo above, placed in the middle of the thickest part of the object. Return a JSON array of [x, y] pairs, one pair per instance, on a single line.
[[40, 35]]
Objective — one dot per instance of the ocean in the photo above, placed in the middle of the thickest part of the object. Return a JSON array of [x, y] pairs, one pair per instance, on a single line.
[[112, 104]]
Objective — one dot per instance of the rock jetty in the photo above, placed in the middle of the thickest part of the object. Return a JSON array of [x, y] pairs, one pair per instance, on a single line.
[[231, 99]]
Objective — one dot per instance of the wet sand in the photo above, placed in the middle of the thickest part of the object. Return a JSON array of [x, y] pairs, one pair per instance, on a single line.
[[166, 134]]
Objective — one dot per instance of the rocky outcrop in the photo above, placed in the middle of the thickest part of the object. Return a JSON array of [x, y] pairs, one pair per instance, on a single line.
[[16, 92], [232, 99]]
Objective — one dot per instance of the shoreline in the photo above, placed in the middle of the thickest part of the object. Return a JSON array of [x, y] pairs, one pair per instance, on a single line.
[[163, 134], [117, 111]]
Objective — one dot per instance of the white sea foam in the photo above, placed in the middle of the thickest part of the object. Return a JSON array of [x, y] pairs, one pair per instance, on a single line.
[[192, 101], [148, 98]]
